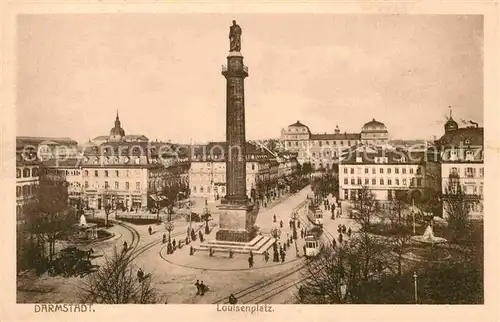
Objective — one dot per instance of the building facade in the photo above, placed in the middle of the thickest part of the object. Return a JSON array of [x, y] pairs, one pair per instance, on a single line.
[[27, 181], [117, 134], [264, 171], [384, 172], [375, 133], [320, 150], [460, 152]]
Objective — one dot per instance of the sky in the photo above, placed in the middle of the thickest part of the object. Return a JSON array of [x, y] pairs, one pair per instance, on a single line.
[[162, 72]]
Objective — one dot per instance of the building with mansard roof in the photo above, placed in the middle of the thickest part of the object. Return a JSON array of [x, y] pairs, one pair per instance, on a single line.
[[117, 134], [385, 171], [265, 170], [320, 150], [374, 132], [460, 154]]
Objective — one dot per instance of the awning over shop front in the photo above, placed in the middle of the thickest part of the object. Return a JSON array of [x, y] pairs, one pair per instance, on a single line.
[[157, 197]]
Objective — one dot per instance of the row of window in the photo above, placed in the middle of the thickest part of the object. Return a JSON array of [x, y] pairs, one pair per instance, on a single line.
[[383, 181], [469, 172], [106, 173], [354, 194], [208, 189], [381, 170], [26, 190], [27, 173], [321, 143], [126, 185], [470, 155]]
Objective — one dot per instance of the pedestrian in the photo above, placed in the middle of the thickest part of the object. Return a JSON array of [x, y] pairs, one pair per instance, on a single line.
[[281, 223], [283, 257], [301, 234], [344, 229], [266, 256], [250, 261], [274, 217], [150, 230], [173, 242], [203, 288], [232, 299], [334, 243], [125, 246], [298, 223], [340, 238], [201, 235], [349, 232], [198, 289], [164, 239], [140, 274], [304, 248]]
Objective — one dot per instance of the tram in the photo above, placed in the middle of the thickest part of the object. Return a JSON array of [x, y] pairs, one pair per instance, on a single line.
[[315, 216], [315, 241]]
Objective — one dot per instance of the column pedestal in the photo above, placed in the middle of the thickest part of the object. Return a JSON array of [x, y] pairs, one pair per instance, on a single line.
[[236, 222]]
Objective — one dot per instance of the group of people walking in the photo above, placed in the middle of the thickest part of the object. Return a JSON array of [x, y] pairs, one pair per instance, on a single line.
[[200, 288]]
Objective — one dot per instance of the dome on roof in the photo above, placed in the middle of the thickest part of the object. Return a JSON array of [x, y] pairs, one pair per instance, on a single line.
[[117, 131], [298, 124], [373, 122], [450, 125], [374, 125]]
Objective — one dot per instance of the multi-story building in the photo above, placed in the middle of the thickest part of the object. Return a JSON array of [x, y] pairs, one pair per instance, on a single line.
[[48, 147], [126, 172], [117, 134], [129, 171], [27, 180], [207, 174], [384, 172], [287, 164], [375, 133], [460, 152], [71, 170], [320, 150]]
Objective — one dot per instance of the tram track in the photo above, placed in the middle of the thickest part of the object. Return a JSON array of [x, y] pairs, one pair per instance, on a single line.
[[269, 287]]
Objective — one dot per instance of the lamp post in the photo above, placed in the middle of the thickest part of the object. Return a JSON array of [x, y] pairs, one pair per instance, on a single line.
[[413, 213], [169, 226], [207, 216], [415, 276]]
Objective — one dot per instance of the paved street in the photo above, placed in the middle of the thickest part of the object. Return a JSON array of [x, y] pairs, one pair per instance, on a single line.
[[175, 274]]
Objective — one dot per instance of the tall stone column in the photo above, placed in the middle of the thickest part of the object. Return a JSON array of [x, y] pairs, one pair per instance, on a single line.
[[235, 74], [236, 216]]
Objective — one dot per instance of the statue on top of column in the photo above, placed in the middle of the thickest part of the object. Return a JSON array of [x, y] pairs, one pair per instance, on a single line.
[[235, 37]]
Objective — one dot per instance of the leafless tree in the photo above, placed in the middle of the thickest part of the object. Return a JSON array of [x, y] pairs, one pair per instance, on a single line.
[[330, 277], [116, 283], [337, 275], [48, 217], [366, 208], [108, 196], [457, 205]]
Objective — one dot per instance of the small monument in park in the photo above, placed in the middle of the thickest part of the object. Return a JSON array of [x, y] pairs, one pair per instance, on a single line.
[[86, 231], [428, 237]]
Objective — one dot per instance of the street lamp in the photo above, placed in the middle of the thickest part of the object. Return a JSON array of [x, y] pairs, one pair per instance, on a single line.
[[207, 216], [169, 226], [415, 276], [413, 213]]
